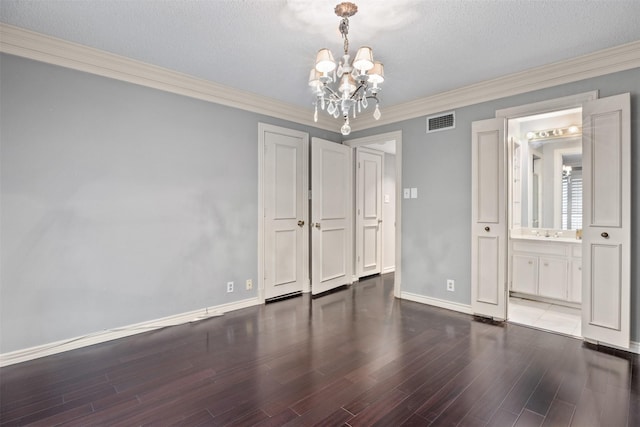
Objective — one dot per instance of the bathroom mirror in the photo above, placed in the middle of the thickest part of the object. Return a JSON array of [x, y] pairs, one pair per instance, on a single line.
[[548, 184], [545, 153]]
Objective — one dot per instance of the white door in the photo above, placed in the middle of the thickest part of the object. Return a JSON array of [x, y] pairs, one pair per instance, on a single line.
[[488, 227], [606, 220], [286, 240], [368, 212], [331, 215]]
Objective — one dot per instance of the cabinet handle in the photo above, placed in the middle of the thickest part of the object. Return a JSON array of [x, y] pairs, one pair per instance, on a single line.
[[530, 262], [605, 234], [546, 264], [487, 228]]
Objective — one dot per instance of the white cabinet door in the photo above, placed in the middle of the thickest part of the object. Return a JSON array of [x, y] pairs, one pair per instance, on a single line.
[[606, 257], [524, 270], [368, 212], [575, 284], [285, 210], [488, 219], [553, 275], [331, 215]]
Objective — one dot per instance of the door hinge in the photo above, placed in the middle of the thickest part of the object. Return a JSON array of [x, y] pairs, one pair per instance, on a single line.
[[309, 194], [358, 165]]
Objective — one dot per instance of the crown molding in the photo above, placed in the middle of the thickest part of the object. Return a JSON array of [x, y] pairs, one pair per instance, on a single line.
[[51, 50], [28, 44], [607, 61]]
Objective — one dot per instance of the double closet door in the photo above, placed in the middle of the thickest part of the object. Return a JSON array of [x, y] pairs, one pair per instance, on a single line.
[[297, 234]]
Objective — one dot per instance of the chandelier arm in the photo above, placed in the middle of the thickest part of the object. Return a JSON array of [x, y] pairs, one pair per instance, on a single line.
[[355, 92]]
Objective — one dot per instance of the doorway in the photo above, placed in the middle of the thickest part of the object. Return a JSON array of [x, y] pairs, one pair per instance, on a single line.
[[277, 269], [387, 148], [606, 239], [545, 221]]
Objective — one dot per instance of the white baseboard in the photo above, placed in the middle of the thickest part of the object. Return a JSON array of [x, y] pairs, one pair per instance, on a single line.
[[390, 269], [36, 352], [449, 305]]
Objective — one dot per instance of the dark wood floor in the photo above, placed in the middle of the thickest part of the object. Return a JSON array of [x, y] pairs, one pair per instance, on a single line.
[[355, 357]]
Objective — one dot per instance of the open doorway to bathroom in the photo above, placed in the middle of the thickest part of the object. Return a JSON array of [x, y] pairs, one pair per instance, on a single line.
[[545, 221]]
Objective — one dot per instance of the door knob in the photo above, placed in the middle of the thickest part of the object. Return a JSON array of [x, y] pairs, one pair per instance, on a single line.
[[318, 225], [487, 228], [379, 221], [605, 234], [300, 223]]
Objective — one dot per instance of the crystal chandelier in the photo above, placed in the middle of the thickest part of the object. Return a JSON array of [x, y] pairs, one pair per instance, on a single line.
[[344, 89]]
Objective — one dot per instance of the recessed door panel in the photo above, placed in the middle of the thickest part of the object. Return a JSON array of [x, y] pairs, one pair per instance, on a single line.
[[606, 295], [333, 254], [606, 158], [285, 249]]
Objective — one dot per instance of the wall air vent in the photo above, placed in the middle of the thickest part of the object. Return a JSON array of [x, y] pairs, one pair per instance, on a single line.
[[441, 122]]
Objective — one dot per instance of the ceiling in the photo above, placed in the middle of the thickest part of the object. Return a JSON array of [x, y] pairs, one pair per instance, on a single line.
[[268, 46]]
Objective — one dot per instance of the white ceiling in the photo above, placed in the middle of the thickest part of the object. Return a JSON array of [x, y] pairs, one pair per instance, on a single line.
[[268, 46]]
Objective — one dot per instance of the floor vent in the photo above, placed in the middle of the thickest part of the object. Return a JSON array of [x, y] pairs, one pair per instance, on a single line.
[[441, 122]]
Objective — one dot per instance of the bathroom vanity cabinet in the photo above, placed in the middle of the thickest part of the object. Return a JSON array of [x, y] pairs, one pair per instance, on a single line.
[[547, 267]]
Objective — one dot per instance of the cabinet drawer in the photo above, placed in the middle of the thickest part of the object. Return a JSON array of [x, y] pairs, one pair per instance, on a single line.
[[541, 248]]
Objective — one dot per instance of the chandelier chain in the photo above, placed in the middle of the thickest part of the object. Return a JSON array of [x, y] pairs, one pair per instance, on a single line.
[[344, 30]]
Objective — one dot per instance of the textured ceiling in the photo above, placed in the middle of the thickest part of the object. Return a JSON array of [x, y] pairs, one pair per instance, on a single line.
[[268, 46]]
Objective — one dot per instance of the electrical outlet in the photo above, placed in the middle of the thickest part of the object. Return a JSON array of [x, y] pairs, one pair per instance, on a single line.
[[229, 286], [249, 284], [451, 285]]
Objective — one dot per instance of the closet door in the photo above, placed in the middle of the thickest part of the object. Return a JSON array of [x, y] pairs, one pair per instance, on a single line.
[[488, 228], [606, 220]]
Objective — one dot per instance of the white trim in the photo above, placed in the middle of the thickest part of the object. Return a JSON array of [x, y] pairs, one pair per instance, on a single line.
[[389, 269], [51, 50], [606, 61], [39, 47], [449, 305], [36, 352], [397, 136], [556, 104]]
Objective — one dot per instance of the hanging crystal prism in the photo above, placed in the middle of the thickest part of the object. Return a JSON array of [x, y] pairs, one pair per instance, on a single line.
[[376, 113], [315, 114]]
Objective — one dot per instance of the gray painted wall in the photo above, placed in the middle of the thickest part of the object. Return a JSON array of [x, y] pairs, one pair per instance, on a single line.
[[436, 227], [120, 203]]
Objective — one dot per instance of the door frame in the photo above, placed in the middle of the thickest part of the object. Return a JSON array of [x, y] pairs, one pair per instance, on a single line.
[[563, 103], [368, 140], [262, 129]]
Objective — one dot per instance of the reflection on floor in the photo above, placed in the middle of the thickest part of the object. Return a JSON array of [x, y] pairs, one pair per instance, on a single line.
[[550, 317]]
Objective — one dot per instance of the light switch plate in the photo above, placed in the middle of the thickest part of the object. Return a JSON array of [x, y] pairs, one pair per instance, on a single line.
[[414, 193], [386, 198], [407, 193]]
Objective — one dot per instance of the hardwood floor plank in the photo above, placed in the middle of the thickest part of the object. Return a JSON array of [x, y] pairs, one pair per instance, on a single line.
[[354, 357], [529, 419], [560, 414]]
